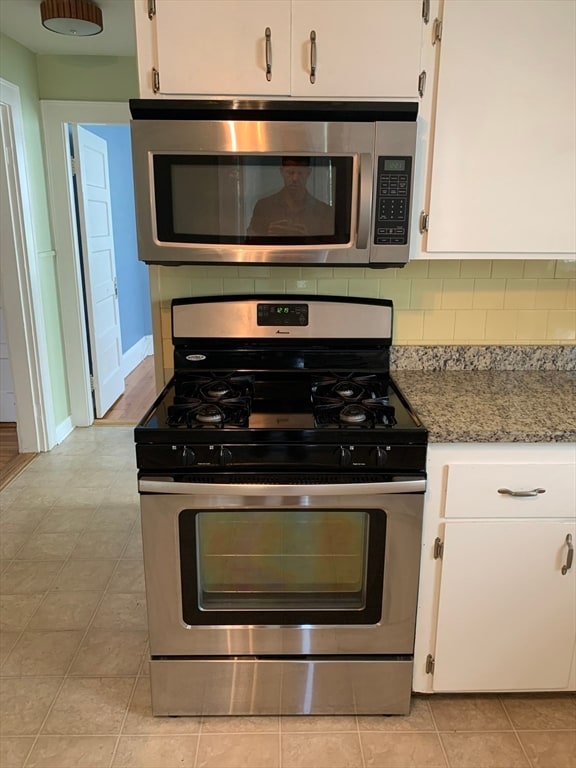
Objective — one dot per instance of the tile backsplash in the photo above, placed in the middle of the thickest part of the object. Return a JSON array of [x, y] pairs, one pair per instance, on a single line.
[[435, 302]]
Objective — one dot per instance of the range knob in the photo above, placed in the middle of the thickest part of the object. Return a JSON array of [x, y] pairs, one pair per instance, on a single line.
[[188, 456], [225, 455], [345, 456], [381, 456]]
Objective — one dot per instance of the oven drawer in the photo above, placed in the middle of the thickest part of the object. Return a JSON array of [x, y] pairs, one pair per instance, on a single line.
[[510, 490], [257, 686]]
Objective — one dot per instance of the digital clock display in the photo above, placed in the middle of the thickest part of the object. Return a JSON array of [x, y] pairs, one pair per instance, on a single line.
[[283, 314], [394, 164]]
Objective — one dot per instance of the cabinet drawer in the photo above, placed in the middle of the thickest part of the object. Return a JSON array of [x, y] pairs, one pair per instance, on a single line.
[[534, 490]]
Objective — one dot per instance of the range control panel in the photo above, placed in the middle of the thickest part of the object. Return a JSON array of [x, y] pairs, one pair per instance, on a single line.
[[391, 220], [282, 314]]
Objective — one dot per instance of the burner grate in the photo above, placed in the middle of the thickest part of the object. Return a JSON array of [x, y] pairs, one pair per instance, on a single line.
[[213, 387], [366, 414], [352, 401], [196, 414]]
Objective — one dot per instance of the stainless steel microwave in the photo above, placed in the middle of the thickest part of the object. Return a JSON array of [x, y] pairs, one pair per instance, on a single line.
[[273, 182]]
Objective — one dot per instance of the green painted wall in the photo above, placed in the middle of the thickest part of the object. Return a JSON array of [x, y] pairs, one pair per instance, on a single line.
[[87, 78], [18, 66]]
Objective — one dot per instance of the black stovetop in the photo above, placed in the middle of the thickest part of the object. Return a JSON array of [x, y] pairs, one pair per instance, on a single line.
[[285, 422], [255, 393], [293, 405]]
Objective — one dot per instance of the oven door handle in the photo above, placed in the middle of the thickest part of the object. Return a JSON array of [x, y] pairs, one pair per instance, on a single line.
[[173, 486]]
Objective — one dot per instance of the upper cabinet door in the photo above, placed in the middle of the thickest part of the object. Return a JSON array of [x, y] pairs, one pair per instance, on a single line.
[[207, 47], [504, 159], [366, 48]]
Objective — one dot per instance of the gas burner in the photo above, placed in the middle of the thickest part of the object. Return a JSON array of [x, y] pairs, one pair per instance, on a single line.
[[352, 414], [213, 388], [227, 412], [367, 414], [216, 390], [209, 414], [347, 388]]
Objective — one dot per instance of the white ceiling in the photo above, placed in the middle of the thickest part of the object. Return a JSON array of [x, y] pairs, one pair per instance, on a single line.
[[20, 20]]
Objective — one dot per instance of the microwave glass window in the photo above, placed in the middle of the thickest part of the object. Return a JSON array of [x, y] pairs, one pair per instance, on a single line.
[[253, 199]]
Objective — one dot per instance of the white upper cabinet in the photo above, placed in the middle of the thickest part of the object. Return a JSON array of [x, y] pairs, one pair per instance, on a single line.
[[504, 156], [223, 46], [303, 48], [366, 48]]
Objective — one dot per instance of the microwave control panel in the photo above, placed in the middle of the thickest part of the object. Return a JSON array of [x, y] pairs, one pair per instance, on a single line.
[[392, 200]]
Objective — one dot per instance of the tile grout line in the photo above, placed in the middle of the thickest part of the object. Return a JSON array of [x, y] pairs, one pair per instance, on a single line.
[[88, 626], [124, 718], [438, 735], [24, 627], [518, 739], [360, 740], [49, 710]]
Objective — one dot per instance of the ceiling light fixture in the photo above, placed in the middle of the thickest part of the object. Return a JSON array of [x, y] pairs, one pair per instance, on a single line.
[[71, 17]]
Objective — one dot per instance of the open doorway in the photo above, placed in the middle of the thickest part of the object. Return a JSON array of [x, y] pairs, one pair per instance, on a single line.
[[101, 117], [115, 284]]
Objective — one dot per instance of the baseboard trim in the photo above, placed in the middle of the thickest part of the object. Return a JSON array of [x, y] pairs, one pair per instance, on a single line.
[[134, 356], [63, 430]]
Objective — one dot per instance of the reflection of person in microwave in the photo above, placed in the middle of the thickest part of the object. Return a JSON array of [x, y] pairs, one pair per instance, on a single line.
[[293, 210]]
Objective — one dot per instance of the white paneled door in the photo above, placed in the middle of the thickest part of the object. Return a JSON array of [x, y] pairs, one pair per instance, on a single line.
[[99, 264]]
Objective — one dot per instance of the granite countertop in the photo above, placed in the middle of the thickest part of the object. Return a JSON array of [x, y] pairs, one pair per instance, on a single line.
[[471, 405]]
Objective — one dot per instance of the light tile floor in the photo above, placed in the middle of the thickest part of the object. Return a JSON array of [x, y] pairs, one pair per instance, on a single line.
[[74, 690]]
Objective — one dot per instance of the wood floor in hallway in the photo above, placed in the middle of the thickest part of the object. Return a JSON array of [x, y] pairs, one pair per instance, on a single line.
[[139, 395], [11, 462]]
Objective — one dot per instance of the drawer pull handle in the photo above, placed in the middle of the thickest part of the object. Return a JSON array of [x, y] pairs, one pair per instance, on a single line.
[[570, 557], [518, 494], [268, 36], [313, 56]]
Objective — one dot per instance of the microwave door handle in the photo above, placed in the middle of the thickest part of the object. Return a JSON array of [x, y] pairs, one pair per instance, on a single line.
[[364, 201]]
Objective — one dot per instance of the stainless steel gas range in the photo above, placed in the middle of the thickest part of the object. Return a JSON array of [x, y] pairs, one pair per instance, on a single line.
[[281, 476]]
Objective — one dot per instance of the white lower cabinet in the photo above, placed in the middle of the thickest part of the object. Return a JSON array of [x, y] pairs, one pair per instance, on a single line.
[[506, 615], [497, 602]]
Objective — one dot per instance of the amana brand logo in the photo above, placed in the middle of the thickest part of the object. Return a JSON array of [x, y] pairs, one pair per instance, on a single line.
[[195, 358]]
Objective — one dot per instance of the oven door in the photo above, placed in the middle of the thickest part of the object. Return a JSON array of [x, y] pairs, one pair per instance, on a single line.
[[281, 570]]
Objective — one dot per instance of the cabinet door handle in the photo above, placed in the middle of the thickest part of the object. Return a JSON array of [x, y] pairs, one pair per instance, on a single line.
[[570, 556], [518, 494], [312, 57], [268, 35]]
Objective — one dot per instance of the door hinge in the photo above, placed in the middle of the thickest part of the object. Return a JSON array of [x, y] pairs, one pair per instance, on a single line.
[[436, 31], [422, 83], [92, 388], [151, 9], [155, 80], [429, 664], [426, 11], [423, 222], [74, 164], [438, 548], [116, 287]]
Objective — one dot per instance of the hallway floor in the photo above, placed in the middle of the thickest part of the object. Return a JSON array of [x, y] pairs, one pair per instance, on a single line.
[[139, 394], [74, 688], [11, 461]]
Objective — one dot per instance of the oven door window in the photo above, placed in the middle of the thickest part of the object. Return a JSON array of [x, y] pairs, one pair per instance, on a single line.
[[255, 200], [282, 566]]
